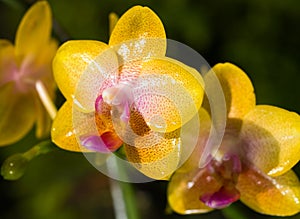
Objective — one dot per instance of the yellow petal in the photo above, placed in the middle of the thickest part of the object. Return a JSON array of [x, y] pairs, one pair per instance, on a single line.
[[47, 54], [139, 33], [62, 132], [34, 30], [155, 155], [70, 125], [184, 192], [278, 196], [237, 88], [203, 148], [101, 73], [71, 61], [271, 139], [16, 113], [167, 94], [7, 61]]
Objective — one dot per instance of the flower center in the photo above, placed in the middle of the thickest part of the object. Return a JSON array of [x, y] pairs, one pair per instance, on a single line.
[[24, 75], [112, 113], [119, 98], [221, 177]]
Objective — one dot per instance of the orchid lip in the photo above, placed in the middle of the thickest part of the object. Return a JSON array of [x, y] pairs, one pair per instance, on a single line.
[[118, 97], [94, 143], [223, 175], [221, 199], [107, 142]]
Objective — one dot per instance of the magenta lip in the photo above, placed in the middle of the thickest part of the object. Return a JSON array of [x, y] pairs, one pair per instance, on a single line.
[[94, 143], [226, 172], [222, 198]]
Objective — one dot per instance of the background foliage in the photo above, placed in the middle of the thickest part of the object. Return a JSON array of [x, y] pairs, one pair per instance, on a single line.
[[262, 37]]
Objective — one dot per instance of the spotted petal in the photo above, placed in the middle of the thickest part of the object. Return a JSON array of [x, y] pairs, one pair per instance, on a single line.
[[34, 30], [16, 113], [237, 88], [271, 139], [278, 196], [63, 133], [167, 94], [71, 61], [139, 33], [101, 73], [156, 155]]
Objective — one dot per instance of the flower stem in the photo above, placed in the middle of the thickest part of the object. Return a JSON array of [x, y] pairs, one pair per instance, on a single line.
[[123, 196], [233, 211], [45, 98], [15, 166], [130, 200]]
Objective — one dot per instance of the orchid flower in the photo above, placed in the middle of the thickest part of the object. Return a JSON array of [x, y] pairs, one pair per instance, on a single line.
[[126, 93], [253, 164], [24, 70]]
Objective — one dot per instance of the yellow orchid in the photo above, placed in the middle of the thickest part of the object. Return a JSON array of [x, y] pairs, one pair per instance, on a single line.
[[24, 68], [126, 93], [260, 146]]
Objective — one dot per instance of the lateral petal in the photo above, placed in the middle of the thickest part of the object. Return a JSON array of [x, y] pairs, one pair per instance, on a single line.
[[167, 93], [16, 113], [72, 60], [8, 65], [271, 139], [63, 132], [278, 196]]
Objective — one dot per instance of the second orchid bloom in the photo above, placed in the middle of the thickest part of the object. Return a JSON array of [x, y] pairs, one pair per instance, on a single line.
[[260, 146]]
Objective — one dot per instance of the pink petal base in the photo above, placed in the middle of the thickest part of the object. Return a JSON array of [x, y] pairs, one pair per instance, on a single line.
[[224, 175], [222, 198], [106, 143]]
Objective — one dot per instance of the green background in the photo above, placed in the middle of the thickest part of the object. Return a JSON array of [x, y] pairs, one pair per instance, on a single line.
[[260, 36]]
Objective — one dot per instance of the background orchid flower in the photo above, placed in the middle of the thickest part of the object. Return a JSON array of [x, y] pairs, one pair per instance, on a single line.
[[126, 92], [260, 146], [21, 67]]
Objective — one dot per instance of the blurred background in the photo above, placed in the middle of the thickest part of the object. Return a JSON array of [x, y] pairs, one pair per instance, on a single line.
[[262, 37]]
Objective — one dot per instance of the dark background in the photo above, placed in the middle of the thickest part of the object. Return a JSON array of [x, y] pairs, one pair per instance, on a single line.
[[262, 37]]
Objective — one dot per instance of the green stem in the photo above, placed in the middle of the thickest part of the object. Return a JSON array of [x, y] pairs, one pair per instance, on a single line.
[[43, 147], [15, 166], [130, 200], [233, 212], [123, 195]]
